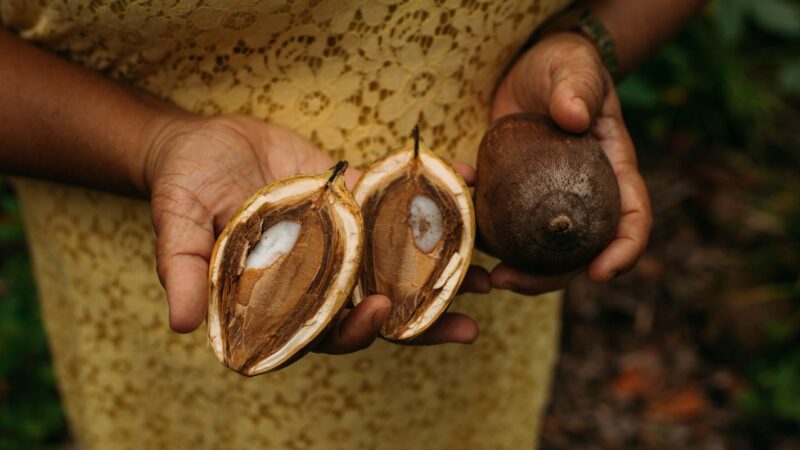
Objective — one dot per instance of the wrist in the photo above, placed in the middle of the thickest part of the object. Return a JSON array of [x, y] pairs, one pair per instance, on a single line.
[[563, 45], [580, 20], [156, 130], [553, 52], [529, 82]]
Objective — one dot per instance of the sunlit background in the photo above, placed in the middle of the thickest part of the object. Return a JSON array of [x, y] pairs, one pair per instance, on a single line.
[[695, 348]]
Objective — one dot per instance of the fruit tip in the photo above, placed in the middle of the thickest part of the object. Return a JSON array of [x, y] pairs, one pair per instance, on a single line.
[[415, 132], [338, 170]]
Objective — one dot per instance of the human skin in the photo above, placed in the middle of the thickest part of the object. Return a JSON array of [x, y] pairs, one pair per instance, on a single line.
[[563, 76], [65, 123]]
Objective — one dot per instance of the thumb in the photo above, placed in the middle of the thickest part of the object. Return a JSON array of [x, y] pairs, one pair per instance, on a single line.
[[578, 89], [185, 241]]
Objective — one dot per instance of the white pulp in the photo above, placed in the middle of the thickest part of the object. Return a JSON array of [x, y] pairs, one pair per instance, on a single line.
[[279, 239], [426, 222]]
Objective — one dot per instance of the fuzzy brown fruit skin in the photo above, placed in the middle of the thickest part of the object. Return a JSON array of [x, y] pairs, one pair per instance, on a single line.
[[546, 201]]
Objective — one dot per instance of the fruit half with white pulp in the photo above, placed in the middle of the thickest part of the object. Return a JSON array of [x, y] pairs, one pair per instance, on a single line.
[[282, 269], [419, 229]]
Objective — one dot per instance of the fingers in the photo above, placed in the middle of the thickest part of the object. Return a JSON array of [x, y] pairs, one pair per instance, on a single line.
[[351, 177], [476, 281], [467, 172], [636, 220], [633, 229], [579, 87], [504, 276], [450, 328], [185, 241], [357, 328]]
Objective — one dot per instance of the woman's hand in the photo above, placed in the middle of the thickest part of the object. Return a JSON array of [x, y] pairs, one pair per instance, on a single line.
[[564, 77], [199, 170]]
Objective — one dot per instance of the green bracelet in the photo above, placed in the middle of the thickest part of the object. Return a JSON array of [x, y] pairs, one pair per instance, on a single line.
[[591, 27], [577, 18]]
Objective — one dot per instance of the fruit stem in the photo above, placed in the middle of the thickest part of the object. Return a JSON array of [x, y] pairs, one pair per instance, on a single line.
[[338, 170], [416, 141], [560, 224]]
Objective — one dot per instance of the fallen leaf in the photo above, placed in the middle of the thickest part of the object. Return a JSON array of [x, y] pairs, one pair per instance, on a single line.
[[687, 403]]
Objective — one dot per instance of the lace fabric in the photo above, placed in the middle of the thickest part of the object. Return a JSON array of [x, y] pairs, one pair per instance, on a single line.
[[353, 77]]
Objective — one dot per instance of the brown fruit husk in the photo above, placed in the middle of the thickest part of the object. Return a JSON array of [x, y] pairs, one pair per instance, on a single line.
[[547, 201], [281, 270], [419, 227]]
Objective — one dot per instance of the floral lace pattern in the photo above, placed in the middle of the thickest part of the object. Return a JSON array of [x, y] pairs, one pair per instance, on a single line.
[[353, 77]]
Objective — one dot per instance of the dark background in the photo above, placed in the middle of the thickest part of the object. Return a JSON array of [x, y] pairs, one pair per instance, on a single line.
[[698, 347]]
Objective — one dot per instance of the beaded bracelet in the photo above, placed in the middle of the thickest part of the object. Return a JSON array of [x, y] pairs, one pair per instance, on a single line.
[[579, 19], [591, 27]]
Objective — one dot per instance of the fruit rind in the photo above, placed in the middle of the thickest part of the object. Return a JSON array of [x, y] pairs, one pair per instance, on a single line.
[[452, 277], [346, 210]]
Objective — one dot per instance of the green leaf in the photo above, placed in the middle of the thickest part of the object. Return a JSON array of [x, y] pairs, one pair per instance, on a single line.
[[777, 16], [729, 16], [636, 92], [8, 204], [10, 234], [789, 76]]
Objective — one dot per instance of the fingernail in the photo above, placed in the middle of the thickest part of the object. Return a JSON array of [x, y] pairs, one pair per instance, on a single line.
[[379, 316], [471, 338], [580, 104]]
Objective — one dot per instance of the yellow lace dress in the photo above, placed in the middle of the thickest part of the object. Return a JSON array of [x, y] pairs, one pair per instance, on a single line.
[[353, 77]]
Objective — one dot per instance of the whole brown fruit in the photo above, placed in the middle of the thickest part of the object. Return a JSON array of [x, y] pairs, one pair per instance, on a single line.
[[546, 201]]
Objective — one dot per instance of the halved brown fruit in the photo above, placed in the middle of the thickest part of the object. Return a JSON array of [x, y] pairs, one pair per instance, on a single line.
[[419, 229], [282, 269]]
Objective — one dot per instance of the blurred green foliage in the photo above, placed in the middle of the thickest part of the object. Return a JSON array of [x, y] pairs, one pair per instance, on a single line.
[[724, 79], [31, 416], [724, 97]]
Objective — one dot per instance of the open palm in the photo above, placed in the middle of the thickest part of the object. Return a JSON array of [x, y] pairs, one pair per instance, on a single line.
[[200, 170]]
